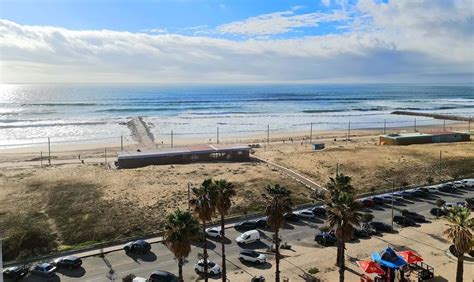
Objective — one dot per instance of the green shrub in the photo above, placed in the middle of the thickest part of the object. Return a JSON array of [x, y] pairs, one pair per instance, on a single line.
[[313, 270]]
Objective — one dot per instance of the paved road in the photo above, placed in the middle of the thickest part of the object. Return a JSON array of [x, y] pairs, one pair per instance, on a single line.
[[301, 232]]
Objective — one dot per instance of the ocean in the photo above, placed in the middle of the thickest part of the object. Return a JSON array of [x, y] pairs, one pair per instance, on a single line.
[[30, 113]]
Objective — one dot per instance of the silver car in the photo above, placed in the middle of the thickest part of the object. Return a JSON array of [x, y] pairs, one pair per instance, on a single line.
[[252, 256]]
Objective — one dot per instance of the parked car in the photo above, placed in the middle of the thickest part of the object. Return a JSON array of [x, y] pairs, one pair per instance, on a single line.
[[433, 189], [289, 216], [138, 247], [162, 276], [458, 184], [378, 200], [325, 239], [259, 278], [413, 216], [15, 272], [248, 237], [380, 226], [367, 203], [305, 214], [369, 229], [252, 256], [447, 188], [439, 211], [421, 192], [261, 222], [407, 195], [388, 198], [397, 195], [319, 211], [212, 267], [214, 232], [361, 233], [468, 183], [43, 269], [403, 221], [245, 225], [68, 262]]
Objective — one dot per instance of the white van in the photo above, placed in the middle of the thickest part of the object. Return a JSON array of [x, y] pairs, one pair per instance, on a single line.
[[248, 237]]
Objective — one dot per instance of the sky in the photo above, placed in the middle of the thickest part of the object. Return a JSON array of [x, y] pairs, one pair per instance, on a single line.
[[241, 41]]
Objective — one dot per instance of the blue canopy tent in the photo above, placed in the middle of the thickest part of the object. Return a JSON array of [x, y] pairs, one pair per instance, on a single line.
[[389, 258]]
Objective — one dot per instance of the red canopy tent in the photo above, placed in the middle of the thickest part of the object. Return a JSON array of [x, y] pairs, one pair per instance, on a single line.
[[370, 267], [410, 257]]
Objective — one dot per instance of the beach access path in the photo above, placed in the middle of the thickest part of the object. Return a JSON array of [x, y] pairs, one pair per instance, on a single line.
[[293, 174]]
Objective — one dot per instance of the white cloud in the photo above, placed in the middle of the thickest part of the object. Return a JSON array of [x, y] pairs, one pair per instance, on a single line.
[[155, 30], [384, 43], [279, 22], [326, 2]]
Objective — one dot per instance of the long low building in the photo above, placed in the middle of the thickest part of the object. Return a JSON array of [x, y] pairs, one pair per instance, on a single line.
[[424, 138], [183, 155]]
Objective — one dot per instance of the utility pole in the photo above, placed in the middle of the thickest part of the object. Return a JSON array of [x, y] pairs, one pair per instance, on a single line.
[[337, 169], [49, 151], [414, 128], [268, 134], [189, 197], [218, 135], [105, 155], [444, 125], [469, 125], [349, 131], [311, 133], [384, 126], [41, 158], [171, 137], [121, 142], [393, 189]]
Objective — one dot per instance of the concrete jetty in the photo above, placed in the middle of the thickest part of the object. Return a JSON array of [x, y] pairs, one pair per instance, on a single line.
[[141, 132], [432, 115]]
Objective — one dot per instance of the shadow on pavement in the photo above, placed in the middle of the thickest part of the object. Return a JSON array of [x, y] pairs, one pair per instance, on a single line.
[[210, 245], [254, 245], [265, 265], [226, 240], [78, 272], [149, 257], [33, 278]]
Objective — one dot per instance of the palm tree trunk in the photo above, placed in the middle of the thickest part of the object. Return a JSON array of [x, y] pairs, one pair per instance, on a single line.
[[206, 276], [277, 256], [224, 272], [342, 266], [180, 270], [460, 268]]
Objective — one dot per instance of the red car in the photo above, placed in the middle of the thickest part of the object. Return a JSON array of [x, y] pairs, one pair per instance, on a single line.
[[367, 203]]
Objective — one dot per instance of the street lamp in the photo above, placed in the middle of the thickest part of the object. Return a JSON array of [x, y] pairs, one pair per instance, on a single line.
[[393, 189]]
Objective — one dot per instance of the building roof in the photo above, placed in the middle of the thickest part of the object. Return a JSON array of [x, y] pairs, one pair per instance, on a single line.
[[420, 134], [200, 149]]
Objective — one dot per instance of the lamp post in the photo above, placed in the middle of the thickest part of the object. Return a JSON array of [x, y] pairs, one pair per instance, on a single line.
[[393, 190]]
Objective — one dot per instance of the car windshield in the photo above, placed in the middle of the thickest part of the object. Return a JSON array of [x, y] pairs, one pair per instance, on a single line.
[[211, 264], [49, 267]]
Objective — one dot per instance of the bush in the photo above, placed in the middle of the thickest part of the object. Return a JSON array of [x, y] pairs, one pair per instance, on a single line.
[[313, 270], [429, 180], [367, 217], [440, 203], [129, 277]]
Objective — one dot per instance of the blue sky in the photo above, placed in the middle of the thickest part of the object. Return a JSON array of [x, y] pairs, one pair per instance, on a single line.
[[178, 16], [236, 41]]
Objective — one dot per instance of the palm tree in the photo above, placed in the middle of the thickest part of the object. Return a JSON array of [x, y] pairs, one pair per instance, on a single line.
[[224, 191], [343, 214], [203, 205], [180, 229], [459, 232], [277, 203]]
